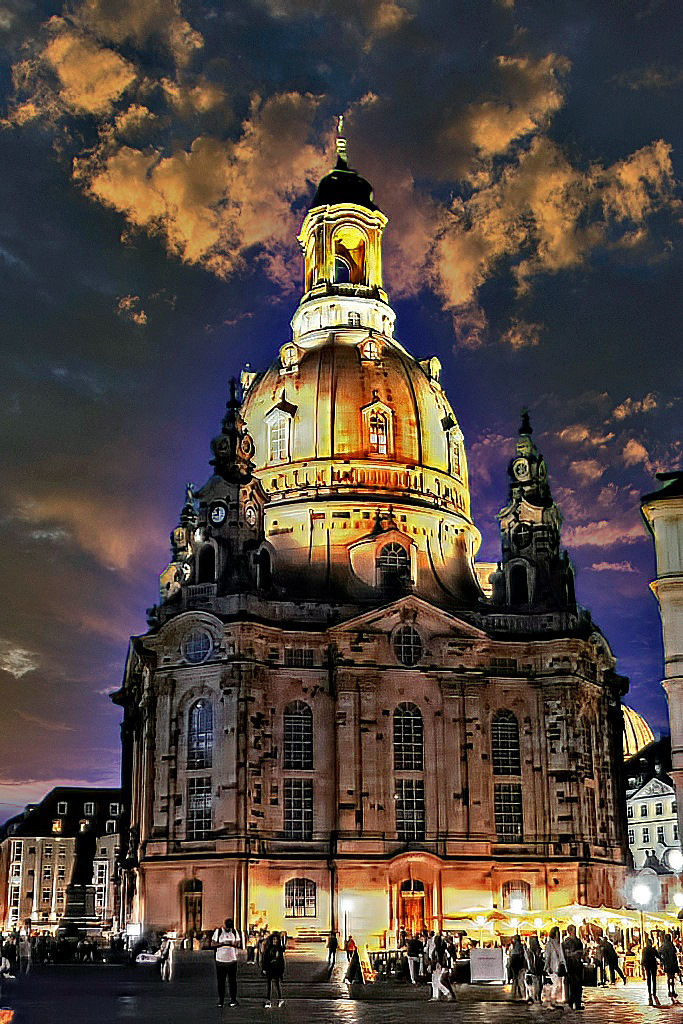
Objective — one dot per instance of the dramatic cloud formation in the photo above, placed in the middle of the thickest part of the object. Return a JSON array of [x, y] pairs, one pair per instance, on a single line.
[[16, 660], [612, 567]]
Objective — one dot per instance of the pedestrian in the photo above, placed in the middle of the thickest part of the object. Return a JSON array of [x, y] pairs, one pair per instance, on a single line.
[[555, 968], [611, 958], [572, 947], [669, 961], [349, 947], [649, 961], [166, 959], [225, 942], [273, 966], [332, 947], [415, 950], [535, 970], [516, 967]]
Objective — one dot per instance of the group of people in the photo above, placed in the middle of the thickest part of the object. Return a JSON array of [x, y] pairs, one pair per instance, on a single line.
[[667, 955], [268, 954]]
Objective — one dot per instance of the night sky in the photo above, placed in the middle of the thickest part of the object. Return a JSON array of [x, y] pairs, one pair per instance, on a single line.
[[157, 159]]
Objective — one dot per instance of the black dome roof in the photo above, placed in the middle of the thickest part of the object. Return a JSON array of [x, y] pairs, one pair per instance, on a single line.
[[342, 185]]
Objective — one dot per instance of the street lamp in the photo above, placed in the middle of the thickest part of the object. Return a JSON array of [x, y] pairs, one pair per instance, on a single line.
[[346, 910], [642, 894], [675, 859]]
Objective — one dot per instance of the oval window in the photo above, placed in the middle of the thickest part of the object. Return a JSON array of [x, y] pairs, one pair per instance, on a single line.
[[197, 646]]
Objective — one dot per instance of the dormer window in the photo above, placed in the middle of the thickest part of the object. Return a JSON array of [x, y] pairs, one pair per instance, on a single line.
[[289, 356], [354, 319], [378, 433], [370, 350], [278, 437]]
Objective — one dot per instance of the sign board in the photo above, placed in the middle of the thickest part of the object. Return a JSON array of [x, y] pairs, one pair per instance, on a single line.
[[487, 965]]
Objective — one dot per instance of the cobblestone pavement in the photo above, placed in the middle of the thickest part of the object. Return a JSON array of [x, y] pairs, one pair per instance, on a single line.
[[101, 994]]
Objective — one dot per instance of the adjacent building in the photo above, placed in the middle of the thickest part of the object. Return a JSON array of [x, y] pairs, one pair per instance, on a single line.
[[38, 852], [336, 713]]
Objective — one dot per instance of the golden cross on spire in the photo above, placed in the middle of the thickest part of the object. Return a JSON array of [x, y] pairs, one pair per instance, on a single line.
[[341, 141]]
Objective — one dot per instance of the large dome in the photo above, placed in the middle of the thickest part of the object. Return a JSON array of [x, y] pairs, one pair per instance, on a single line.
[[637, 733]]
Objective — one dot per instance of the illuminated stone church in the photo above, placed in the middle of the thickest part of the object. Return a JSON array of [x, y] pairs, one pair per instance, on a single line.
[[337, 717]]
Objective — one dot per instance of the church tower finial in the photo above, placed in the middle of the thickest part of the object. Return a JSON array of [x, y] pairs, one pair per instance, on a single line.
[[341, 142], [525, 426]]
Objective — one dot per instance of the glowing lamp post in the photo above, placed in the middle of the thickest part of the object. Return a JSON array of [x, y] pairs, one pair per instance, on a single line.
[[516, 905], [675, 859], [346, 910], [642, 895]]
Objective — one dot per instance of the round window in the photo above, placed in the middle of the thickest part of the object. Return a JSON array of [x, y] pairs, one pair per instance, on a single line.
[[407, 645], [197, 646]]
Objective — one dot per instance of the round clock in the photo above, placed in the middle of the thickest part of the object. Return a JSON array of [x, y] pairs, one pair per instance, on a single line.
[[250, 515], [218, 513], [247, 446], [520, 467], [542, 470], [523, 535], [186, 571]]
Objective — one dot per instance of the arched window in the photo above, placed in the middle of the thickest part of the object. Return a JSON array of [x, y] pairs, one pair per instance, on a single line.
[[197, 646], [300, 898], [354, 319], [298, 736], [192, 892], [516, 896], [206, 570], [278, 437], [289, 355], [378, 433], [519, 585], [264, 570], [342, 271], [505, 744], [370, 349], [393, 567], [200, 735], [407, 645], [408, 738]]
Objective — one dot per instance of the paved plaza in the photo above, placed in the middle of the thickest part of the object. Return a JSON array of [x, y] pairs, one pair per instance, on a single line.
[[98, 994]]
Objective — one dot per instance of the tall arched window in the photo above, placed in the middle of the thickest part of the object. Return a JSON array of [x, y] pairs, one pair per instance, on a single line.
[[298, 736], [408, 738], [378, 433], [519, 585], [264, 570], [200, 735], [278, 437], [585, 736], [342, 271], [393, 567], [300, 898], [505, 744], [206, 571]]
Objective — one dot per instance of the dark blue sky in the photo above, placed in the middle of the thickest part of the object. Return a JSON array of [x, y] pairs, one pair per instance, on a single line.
[[157, 158]]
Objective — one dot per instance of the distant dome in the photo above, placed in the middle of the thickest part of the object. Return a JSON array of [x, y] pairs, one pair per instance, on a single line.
[[343, 185], [637, 733]]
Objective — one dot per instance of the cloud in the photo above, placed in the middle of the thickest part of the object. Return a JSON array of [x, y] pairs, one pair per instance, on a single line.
[[587, 470], [632, 406], [45, 723], [214, 201], [652, 77], [604, 534], [578, 433], [470, 326], [522, 334], [372, 19], [16, 660], [634, 453], [140, 21], [612, 567], [128, 309]]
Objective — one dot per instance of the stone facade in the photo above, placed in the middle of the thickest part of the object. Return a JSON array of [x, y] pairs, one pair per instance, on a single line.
[[337, 717]]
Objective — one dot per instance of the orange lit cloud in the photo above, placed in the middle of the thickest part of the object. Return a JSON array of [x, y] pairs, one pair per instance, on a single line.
[[587, 470], [521, 333], [612, 567], [603, 534], [140, 21], [579, 432], [631, 406]]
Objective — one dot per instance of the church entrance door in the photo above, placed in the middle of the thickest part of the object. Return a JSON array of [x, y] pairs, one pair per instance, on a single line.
[[193, 906], [412, 906]]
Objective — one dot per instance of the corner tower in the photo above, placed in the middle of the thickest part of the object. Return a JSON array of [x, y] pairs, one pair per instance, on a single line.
[[356, 444]]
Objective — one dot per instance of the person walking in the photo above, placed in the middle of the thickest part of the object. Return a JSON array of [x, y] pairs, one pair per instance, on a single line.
[[572, 947], [225, 942], [349, 947], [669, 961], [611, 958], [535, 970], [649, 962], [555, 968], [415, 950], [274, 969], [517, 967], [332, 947]]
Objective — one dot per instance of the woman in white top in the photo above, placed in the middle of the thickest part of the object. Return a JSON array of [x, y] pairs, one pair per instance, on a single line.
[[225, 941]]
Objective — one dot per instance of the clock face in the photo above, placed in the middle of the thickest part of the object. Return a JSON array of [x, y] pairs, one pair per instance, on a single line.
[[520, 467], [247, 446], [522, 535], [218, 514], [187, 571], [250, 515]]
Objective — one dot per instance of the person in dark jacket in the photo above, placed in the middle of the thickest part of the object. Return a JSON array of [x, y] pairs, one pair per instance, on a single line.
[[572, 947], [273, 966], [611, 958], [332, 947], [668, 958], [649, 961]]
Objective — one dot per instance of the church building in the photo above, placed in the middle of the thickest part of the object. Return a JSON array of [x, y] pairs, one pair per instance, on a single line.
[[337, 717]]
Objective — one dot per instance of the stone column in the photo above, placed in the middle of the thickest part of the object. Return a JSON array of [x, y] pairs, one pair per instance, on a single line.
[[663, 513]]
